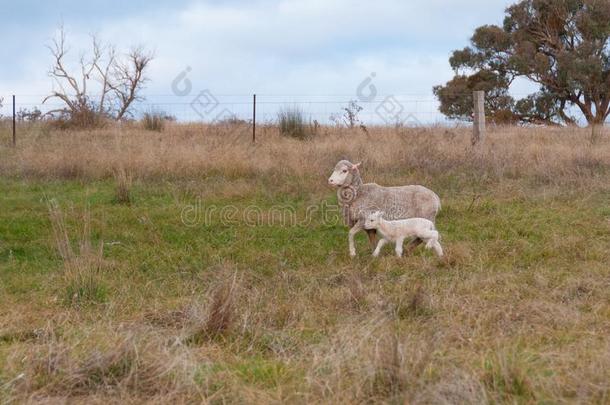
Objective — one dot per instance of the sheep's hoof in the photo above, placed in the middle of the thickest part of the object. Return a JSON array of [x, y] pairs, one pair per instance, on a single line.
[[352, 255]]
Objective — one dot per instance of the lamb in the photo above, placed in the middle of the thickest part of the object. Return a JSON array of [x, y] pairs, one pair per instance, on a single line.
[[398, 231], [357, 199]]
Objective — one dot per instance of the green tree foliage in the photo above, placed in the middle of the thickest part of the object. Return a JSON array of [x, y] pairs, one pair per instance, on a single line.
[[560, 45]]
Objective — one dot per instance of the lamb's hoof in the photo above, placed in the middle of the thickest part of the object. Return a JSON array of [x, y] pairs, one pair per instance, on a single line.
[[352, 255]]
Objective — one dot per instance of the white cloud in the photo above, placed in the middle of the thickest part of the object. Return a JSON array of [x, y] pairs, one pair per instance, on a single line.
[[287, 46], [262, 45]]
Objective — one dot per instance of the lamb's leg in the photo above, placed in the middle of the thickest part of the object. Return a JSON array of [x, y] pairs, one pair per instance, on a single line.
[[372, 233], [431, 239], [413, 245], [381, 243], [437, 248], [399, 243], [432, 243], [352, 232]]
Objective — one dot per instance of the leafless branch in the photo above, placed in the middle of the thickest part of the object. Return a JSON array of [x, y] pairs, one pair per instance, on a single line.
[[129, 79], [121, 78], [103, 70]]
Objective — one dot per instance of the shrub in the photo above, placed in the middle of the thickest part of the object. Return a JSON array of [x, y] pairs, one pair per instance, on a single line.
[[29, 115], [85, 116], [349, 118], [155, 120], [233, 120], [292, 123]]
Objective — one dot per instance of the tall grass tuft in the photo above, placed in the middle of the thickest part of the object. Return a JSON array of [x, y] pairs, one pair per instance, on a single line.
[[154, 121], [123, 181], [388, 380], [292, 123], [220, 314], [507, 375], [82, 269]]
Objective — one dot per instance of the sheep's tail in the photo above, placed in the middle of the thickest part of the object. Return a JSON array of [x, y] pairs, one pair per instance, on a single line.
[[433, 212]]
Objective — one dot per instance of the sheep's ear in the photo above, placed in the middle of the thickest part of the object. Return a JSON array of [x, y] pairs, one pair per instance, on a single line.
[[356, 166]]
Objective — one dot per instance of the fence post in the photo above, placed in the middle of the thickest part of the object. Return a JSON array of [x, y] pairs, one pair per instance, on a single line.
[[478, 134], [254, 119], [14, 126]]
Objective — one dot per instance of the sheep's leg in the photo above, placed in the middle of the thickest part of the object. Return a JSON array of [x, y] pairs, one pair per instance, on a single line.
[[381, 243], [352, 232], [413, 245], [372, 233], [399, 243]]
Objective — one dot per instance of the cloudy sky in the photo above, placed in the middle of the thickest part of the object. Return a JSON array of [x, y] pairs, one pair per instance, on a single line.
[[238, 47]]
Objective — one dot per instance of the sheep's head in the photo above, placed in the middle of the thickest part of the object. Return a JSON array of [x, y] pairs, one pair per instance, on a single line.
[[344, 174], [372, 220]]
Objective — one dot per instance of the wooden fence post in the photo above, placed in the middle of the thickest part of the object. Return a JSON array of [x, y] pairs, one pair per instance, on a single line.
[[14, 126], [254, 119], [478, 133]]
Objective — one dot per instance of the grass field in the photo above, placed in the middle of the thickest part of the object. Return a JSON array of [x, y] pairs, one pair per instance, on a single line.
[[124, 279]]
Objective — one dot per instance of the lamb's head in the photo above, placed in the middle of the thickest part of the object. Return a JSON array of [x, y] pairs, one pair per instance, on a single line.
[[345, 174], [372, 220]]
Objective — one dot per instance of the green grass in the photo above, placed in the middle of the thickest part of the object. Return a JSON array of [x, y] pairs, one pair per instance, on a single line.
[[525, 272]]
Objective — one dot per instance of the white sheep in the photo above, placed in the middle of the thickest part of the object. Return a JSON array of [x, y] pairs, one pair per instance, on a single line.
[[398, 231], [357, 199]]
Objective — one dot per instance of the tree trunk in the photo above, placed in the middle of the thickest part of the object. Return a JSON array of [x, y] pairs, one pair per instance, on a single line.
[[602, 111], [587, 110]]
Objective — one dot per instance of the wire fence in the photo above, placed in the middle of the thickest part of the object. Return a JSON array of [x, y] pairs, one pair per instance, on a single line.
[[207, 107]]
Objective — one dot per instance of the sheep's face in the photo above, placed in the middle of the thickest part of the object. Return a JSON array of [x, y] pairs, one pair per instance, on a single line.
[[343, 174], [372, 220]]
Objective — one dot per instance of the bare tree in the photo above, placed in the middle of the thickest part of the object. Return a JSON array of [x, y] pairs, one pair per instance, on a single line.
[[119, 78], [75, 97]]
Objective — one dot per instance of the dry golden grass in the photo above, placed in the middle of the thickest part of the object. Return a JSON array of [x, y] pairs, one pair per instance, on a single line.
[[552, 156], [518, 311]]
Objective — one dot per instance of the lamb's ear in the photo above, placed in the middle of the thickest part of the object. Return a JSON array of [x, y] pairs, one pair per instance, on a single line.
[[356, 166]]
